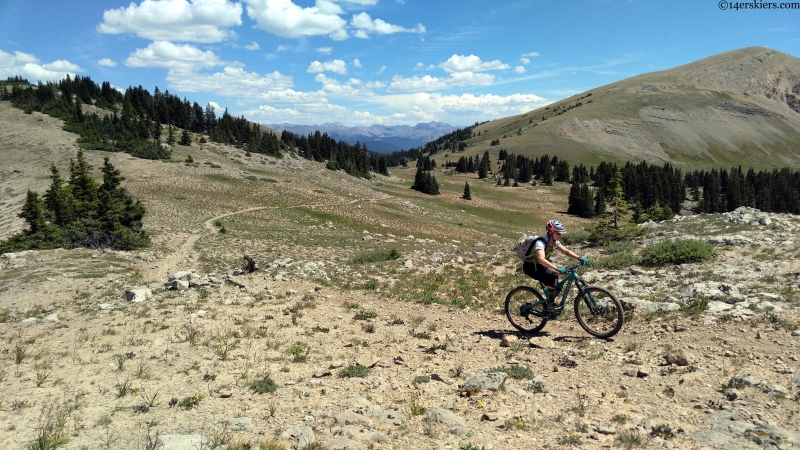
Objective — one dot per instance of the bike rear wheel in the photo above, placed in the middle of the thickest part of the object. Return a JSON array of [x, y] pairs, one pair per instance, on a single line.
[[599, 312], [523, 319]]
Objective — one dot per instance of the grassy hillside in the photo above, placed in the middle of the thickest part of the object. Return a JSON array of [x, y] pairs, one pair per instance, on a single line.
[[734, 108]]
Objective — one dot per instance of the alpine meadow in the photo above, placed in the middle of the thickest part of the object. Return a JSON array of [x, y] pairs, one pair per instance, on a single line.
[[175, 277]]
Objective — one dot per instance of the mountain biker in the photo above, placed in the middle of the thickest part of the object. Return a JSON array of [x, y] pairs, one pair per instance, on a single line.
[[541, 269]]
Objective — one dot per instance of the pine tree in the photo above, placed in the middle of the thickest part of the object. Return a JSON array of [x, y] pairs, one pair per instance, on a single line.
[[586, 195], [56, 199], [547, 177], [33, 212], [599, 202], [617, 197], [637, 213], [382, 169], [467, 194], [485, 166], [574, 201], [433, 186], [185, 138], [78, 112], [83, 186], [170, 135], [419, 180]]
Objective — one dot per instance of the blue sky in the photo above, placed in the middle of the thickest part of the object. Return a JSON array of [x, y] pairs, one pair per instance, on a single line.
[[362, 62]]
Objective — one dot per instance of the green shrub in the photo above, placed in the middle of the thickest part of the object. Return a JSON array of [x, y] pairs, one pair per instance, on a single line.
[[375, 256], [191, 402], [604, 232], [364, 315], [617, 255], [575, 237], [676, 252], [516, 372], [354, 371], [264, 385]]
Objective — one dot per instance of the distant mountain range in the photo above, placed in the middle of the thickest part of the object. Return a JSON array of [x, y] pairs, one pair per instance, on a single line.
[[378, 138]]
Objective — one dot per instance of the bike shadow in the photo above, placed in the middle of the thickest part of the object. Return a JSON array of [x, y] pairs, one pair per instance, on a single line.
[[568, 339], [498, 334]]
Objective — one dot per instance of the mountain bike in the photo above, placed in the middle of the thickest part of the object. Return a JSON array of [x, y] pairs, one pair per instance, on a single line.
[[597, 310]]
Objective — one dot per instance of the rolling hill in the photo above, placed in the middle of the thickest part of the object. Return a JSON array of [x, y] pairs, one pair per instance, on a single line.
[[736, 108]]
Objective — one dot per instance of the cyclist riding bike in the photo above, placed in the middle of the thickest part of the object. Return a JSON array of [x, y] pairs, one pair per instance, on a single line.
[[541, 269]]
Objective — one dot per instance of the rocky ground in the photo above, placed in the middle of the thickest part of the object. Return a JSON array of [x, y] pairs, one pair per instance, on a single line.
[[176, 345]]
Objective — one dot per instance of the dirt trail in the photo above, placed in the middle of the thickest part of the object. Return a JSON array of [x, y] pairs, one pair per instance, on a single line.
[[184, 257]]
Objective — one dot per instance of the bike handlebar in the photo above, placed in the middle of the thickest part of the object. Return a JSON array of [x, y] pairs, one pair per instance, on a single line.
[[571, 269]]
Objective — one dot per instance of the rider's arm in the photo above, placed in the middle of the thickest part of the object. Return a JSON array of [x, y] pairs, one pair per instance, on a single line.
[[541, 259], [568, 252]]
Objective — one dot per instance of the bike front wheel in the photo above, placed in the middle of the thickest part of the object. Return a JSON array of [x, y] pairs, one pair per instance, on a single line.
[[598, 312], [522, 307]]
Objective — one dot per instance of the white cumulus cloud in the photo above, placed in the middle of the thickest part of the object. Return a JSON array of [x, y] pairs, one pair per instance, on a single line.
[[365, 25], [107, 62], [357, 63], [519, 69], [524, 60], [471, 63], [230, 82], [335, 66], [172, 56], [29, 67], [175, 20], [253, 46], [530, 55], [465, 108], [286, 19], [429, 83], [324, 50]]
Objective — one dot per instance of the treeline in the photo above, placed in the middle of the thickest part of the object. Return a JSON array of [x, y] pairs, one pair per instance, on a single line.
[[353, 159], [134, 124], [451, 142], [79, 212], [722, 190], [656, 192]]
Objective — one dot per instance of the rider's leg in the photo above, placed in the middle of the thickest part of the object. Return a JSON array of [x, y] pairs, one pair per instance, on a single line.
[[545, 276]]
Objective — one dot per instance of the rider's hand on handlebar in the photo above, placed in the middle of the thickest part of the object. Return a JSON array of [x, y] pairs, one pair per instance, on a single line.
[[562, 270], [584, 260]]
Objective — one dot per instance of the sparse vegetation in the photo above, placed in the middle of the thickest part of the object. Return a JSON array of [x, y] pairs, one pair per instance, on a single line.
[[676, 252], [354, 371], [303, 317]]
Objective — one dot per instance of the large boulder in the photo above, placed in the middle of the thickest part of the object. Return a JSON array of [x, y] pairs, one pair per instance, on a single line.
[[710, 290], [448, 418], [489, 381]]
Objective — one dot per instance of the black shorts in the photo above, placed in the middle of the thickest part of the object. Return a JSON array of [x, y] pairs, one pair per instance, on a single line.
[[538, 272]]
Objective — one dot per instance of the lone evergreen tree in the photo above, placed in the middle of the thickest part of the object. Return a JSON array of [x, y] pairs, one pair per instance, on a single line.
[[467, 194], [617, 197], [185, 138]]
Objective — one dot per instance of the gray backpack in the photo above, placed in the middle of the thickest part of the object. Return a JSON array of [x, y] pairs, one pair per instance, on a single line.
[[524, 246]]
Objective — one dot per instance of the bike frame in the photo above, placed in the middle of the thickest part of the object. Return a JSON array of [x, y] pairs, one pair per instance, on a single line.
[[565, 286]]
